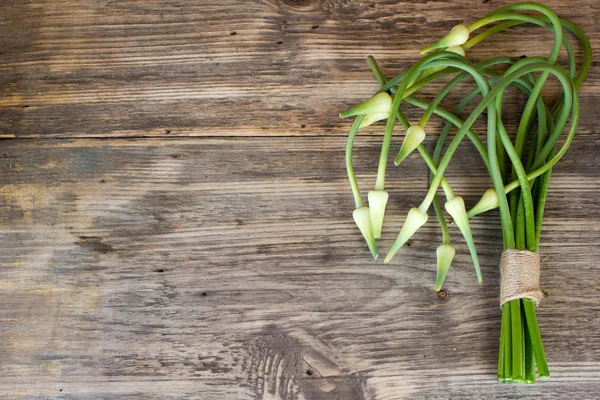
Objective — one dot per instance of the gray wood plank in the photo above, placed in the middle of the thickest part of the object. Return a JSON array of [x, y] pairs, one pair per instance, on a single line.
[[237, 68], [230, 268]]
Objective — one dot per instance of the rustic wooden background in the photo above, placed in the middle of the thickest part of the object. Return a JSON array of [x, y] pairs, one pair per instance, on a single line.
[[176, 219]]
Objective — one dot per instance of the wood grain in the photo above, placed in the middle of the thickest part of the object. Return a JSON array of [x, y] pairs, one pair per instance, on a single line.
[[230, 268], [211, 68], [176, 214]]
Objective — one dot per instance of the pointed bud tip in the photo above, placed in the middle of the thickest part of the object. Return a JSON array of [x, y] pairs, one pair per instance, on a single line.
[[380, 104], [488, 201], [457, 36], [414, 220], [415, 135], [457, 50], [456, 208], [445, 255], [370, 119], [377, 203], [362, 218]]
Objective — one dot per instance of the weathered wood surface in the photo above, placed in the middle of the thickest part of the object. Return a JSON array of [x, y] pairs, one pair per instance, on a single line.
[[134, 265], [213, 268], [278, 67]]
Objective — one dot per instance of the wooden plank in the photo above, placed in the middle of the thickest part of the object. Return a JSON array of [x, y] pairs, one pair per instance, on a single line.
[[230, 268], [237, 68]]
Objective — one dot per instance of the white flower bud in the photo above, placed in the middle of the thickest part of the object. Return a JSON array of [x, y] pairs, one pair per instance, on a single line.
[[456, 37], [370, 119], [414, 137], [362, 218], [377, 202], [457, 50], [414, 220], [375, 109], [489, 201], [456, 209], [445, 255]]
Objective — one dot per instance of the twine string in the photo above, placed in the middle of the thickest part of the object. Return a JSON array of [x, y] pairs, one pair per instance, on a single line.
[[520, 276]]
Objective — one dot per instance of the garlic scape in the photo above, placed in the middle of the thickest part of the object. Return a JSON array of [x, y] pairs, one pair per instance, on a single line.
[[456, 208], [414, 137], [361, 215], [489, 201], [456, 37], [375, 109], [414, 220], [362, 218], [445, 254], [426, 72], [377, 202], [452, 49]]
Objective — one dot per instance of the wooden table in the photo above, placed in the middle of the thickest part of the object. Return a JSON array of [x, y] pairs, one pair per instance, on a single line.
[[176, 217]]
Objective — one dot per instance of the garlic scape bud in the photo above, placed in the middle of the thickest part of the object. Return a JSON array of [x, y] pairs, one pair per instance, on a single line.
[[456, 208], [370, 119], [414, 220], [362, 218], [489, 201], [377, 202], [445, 255], [456, 37], [457, 50], [375, 109], [414, 137]]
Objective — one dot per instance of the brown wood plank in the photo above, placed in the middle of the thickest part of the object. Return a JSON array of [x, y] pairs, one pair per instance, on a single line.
[[211, 68], [231, 269]]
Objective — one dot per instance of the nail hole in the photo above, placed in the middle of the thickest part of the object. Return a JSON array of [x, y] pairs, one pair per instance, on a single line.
[[26, 106], [279, 42], [309, 372], [442, 294], [160, 270], [233, 33], [302, 126], [314, 27], [204, 294], [409, 243], [167, 131], [103, 181]]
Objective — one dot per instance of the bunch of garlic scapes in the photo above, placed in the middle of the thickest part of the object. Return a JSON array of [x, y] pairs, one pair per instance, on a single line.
[[519, 169]]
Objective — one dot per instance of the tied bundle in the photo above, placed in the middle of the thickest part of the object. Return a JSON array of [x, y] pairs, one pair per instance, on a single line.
[[519, 168]]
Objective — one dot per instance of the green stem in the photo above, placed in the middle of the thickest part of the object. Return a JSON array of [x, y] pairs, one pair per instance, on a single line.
[[349, 167], [529, 357], [518, 356], [380, 76], [536, 338], [506, 334], [387, 138]]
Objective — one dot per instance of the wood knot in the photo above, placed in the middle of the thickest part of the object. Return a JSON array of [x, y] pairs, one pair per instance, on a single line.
[[297, 3]]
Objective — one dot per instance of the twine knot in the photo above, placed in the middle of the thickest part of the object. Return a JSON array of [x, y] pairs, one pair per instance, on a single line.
[[520, 276]]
